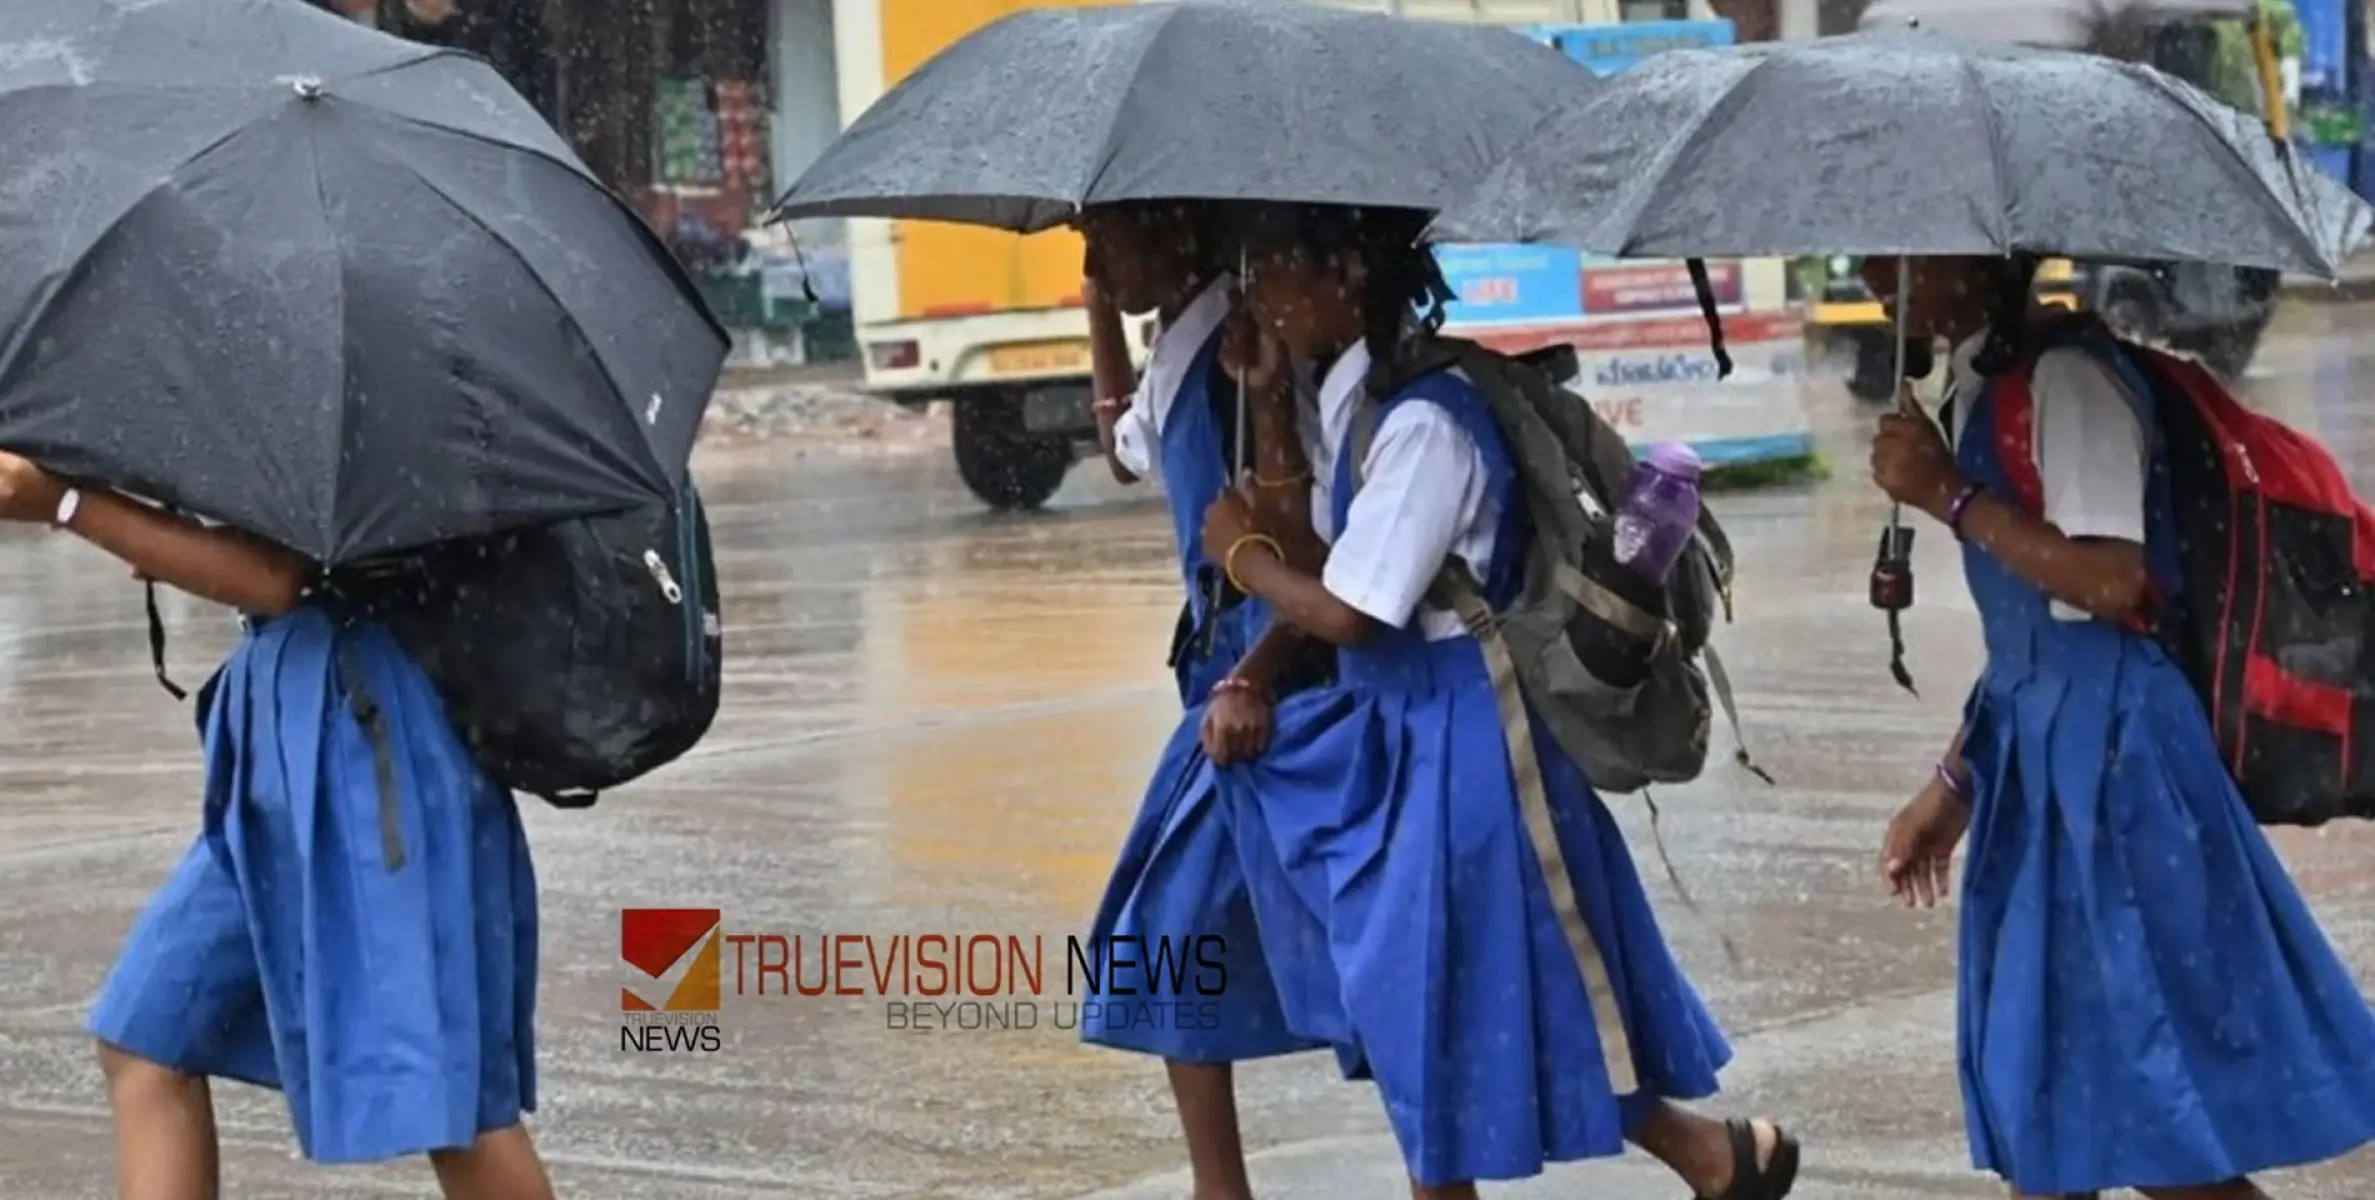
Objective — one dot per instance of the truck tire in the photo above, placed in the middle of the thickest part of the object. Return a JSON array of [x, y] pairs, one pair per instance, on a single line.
[[1003, 465]]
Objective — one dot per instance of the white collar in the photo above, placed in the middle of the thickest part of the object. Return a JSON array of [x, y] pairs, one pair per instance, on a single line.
[[1342, 389], [1187, 332]]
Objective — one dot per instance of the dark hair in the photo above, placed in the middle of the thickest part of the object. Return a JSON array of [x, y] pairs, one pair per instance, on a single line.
[[2007, 314], [1199, 220], [1403, 291]]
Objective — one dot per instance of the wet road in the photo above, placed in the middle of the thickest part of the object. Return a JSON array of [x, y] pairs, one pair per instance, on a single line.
[[938, 722]]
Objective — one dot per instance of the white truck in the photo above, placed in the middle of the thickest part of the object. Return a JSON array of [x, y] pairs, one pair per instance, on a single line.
[[989, 321]]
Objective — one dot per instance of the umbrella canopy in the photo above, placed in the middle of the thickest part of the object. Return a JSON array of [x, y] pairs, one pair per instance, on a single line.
[[1031, 118], [1911, 144], [2057, 24], [340, 290]]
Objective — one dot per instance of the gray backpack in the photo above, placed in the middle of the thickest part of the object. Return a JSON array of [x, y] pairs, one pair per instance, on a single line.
[[1619, 671]]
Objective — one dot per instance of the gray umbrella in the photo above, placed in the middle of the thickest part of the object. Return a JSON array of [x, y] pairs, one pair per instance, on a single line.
[[2059, 24], [1030, 118], [337, 289], [1904, 143]]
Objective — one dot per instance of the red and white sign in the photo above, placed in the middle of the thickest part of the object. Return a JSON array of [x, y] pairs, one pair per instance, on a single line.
[[1617, 291], [1654, 380]]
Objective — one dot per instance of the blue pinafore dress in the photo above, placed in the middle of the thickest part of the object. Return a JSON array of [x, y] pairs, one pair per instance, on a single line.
[[2144, 999], [369, 953], [1181, 874], [1391, 805]]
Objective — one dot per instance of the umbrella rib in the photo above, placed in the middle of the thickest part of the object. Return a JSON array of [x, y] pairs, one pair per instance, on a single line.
[[1110, 148], [10, 353], [337, 456], [1646, 185], [2292, 228], [1995, 151], [609, 376], [668, 263]]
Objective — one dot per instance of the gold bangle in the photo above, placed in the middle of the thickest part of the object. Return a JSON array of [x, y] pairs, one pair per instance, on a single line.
[[1228, 561], [1290, 481]]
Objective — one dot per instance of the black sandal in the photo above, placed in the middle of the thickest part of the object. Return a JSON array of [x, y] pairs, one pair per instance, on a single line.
[[1751, 1180]]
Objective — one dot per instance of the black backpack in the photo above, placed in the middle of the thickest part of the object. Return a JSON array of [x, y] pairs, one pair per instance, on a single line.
[[571, 657]]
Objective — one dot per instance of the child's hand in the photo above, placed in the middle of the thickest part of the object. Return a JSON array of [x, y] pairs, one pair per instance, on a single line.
[[1236, 726], [1917, 855], [27, 493]]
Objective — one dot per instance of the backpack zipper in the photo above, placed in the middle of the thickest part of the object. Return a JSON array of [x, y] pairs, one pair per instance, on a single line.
[[660, 575], [696, 619]]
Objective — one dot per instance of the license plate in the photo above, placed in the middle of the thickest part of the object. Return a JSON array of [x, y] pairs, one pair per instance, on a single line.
[[1039, 358]]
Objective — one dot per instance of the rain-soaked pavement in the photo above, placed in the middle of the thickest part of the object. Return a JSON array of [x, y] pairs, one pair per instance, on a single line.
[[937, 722]]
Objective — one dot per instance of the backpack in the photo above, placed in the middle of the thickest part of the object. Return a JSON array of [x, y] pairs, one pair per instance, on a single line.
[[2263, 598], [1618, 671], [572, 657]]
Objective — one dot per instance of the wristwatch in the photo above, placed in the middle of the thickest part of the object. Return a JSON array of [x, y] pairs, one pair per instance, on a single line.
[[69, 503]]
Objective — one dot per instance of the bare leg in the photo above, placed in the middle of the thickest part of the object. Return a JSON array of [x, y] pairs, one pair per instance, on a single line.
[[165, 1145], [1207, 1097], [1696, 1148], [2233, 1189], [501, 1165], [1449, 1191]]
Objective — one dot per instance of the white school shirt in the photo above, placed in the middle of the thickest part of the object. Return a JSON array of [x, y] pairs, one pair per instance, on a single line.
[[2089, 445], [1422, 498], [1138, 432]]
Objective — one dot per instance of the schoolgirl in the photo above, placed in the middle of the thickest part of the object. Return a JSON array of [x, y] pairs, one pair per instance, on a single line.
[[355, 924], [1180, 876], [2144, 1001], [1389, 799]]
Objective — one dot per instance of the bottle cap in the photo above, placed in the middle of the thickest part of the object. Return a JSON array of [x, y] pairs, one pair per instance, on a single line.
[[1673, 458]]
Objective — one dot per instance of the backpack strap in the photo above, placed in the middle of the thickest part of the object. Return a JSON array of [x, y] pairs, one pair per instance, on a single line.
[[1459, 592], [1456, 589], [373, 722]]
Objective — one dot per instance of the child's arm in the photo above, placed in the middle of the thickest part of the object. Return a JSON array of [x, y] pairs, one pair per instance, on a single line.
[[1270, 654], [1112, 380], [2104, 577], [1420, 475], [221, 565], [2087, 549]]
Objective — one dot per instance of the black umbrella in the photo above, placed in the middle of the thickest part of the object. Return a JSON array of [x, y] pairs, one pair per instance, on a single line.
[[1911, 143], [340, 290], [1031, 118]]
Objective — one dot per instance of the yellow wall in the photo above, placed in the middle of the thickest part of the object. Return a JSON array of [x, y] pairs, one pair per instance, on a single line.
[[950, 269]]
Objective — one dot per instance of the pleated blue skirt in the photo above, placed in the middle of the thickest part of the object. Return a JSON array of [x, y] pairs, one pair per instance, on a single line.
[[1181, 877], [1391, 811], [383, 979], [2145, 999]]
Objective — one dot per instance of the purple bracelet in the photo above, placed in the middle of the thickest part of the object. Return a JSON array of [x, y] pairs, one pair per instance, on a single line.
[[1961, 505], [1955, 787]]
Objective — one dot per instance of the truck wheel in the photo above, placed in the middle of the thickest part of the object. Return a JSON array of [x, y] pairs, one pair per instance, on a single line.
[[1002, 464]]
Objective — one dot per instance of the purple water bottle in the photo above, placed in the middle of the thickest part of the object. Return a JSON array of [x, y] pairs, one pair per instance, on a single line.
[[1659, 511]]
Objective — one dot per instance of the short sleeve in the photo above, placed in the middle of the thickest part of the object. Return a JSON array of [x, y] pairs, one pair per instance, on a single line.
[[2090, 448], [1422, 477], [1134, 436]]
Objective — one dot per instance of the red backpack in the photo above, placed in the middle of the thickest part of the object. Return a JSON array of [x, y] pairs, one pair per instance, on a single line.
[[2262, 595]]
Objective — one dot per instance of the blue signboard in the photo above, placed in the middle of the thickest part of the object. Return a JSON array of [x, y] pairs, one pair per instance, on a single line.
[[1607, 49], [1504, 283]]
